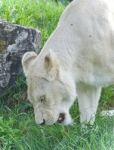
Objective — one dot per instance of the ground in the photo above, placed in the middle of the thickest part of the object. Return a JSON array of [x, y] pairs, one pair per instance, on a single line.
[[18, 130]]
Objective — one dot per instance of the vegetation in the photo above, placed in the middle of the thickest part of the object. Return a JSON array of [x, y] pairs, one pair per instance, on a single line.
[[18, 130], [40, 14]]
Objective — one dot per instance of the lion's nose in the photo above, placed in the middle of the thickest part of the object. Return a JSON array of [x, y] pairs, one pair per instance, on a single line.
[[43, 122], [61, 117]]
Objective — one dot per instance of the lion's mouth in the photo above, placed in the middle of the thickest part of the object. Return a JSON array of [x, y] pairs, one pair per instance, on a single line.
[[61, 117]]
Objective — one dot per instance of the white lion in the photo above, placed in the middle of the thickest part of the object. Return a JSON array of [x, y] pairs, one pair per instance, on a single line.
[[76, 61]]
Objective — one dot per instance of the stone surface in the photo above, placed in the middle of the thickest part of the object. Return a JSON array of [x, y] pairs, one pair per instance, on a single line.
[[15, 40]]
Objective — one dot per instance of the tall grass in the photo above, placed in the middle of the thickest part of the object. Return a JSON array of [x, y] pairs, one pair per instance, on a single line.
[[41, 14]]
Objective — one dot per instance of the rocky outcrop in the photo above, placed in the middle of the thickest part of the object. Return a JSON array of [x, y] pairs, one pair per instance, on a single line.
[[15, 40]]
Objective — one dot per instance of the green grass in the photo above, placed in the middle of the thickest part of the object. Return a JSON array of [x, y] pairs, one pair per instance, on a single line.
[[41, 14], [18, 130]]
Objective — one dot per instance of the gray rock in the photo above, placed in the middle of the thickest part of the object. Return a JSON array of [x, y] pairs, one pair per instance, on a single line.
[[15, 40]]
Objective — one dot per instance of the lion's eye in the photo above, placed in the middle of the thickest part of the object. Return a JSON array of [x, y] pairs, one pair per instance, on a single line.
[[43, 99]]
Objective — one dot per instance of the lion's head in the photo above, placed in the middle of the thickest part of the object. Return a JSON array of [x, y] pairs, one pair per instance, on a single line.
[[50, 88]]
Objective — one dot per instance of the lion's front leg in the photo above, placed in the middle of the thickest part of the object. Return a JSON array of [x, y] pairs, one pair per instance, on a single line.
[[88, 98]]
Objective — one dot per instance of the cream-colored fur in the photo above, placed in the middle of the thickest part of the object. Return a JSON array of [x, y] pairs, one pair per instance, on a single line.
[[77, 60]]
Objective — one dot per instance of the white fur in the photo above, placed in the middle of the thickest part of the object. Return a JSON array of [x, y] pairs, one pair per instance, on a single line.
[[81, 57]]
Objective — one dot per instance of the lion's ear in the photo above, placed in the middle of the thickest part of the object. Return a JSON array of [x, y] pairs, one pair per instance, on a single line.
[[27, 59], [51, 66]]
